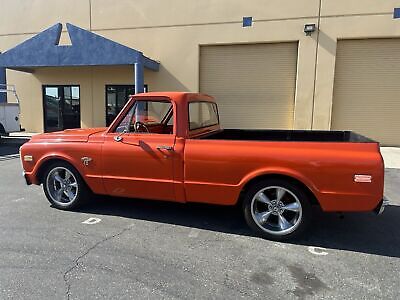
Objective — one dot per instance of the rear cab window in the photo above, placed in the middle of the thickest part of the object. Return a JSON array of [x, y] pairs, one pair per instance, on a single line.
[[202, 114]]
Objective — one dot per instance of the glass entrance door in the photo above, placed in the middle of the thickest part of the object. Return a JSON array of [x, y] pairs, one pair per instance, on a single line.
[[61, 106]]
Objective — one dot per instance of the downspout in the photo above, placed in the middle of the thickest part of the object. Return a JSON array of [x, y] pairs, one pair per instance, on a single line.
[[139, 75], [315, 64], [3, 83]]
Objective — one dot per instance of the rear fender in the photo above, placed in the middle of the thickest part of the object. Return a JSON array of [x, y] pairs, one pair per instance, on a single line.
[[284, 172]]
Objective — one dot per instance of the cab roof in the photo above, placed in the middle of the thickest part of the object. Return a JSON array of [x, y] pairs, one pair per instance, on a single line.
[[177, 96]]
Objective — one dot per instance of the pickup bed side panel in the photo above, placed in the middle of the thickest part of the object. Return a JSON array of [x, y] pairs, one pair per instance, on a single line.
[[217, 170]]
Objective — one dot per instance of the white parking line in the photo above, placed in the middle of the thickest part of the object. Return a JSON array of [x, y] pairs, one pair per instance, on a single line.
[[19, 199], [194, 233], [91, 221], [317, 251]]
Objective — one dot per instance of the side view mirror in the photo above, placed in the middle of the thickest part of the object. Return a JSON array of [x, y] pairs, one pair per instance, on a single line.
[[118, 138]]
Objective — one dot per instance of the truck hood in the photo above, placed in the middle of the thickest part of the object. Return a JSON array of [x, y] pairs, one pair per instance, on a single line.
[[68, 135]]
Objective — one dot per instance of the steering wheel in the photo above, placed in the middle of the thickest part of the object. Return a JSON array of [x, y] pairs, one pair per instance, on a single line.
[[139, 125]]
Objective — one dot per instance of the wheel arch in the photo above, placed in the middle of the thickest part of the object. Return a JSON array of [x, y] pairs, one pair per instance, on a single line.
[[274, 175], [45, 163]]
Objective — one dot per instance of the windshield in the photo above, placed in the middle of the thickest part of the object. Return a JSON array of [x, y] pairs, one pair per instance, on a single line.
[[155, 116]]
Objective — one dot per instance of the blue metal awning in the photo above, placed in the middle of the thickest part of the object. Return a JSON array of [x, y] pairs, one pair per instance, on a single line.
[[87, 49]]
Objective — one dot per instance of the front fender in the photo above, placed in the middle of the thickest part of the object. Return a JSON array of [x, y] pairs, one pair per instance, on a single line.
[[35, 173]]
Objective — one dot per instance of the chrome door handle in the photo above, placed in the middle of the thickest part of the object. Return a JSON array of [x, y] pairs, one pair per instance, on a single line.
[[162, 147]]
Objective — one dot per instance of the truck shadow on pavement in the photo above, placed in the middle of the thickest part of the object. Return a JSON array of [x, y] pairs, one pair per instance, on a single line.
[[357, 232]]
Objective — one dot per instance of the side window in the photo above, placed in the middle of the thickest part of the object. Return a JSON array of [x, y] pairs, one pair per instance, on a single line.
[[202, 114], [124, 125], [148, 117]]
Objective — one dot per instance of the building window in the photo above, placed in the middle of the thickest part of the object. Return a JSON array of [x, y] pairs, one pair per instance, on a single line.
[[116, 98], [61, 107]]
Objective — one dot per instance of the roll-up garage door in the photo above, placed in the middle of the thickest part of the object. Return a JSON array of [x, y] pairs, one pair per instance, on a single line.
[[366, 96], [254, 84]]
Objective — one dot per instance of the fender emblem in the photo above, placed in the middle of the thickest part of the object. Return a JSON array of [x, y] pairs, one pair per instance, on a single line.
[[86, 160]]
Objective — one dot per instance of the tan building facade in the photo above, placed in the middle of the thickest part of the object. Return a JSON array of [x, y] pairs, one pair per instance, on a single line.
[[345, 75]]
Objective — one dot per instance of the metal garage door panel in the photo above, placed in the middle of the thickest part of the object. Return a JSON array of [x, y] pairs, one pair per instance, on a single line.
[[366, 96], [253, 84]]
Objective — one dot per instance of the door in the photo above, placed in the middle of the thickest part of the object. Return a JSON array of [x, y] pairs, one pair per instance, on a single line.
[[61, 107], [366, 89], [257, 81], [12, 117], [138, 154]]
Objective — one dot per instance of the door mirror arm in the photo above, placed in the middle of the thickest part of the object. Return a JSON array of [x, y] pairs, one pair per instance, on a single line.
[[118, 138]]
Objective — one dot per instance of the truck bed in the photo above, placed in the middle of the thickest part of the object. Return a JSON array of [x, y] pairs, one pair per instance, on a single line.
[[288, 135]]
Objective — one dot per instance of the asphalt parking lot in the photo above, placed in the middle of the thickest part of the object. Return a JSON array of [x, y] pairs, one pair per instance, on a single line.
[[147, 249]]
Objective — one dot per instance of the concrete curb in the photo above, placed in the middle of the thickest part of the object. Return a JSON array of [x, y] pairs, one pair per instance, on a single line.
[[13, 140], [391, 156]]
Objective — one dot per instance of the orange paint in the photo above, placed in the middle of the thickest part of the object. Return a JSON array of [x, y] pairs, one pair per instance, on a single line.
[[208, 171]]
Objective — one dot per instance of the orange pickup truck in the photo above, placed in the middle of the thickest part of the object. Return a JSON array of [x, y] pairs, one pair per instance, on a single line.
[[170, 146]]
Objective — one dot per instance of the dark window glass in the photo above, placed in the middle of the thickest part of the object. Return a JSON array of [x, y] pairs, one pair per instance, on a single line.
[[116, 98], [61, 106]]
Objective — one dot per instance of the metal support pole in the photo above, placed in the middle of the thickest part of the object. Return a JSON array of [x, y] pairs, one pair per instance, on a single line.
[[139, 77], [3, 82]]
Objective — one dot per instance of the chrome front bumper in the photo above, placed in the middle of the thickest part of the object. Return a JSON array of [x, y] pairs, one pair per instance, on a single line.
[[381, 206]]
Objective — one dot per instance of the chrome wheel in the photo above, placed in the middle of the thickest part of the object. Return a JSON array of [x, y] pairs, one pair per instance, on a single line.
[[62, 186], [276, 210]]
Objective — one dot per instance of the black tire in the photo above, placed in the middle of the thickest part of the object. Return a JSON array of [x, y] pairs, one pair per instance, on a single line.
[[82, 192], [2, 133], [2, 130], [293, 198]]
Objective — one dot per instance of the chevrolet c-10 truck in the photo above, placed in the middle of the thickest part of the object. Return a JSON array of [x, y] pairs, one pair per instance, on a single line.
[[170, 146]]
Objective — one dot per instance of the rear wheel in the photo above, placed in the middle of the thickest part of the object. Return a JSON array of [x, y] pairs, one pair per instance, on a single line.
[[277, 209], [64, 187]]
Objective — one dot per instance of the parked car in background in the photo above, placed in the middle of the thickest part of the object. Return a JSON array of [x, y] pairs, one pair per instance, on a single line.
[[170, 146], [9, 112]]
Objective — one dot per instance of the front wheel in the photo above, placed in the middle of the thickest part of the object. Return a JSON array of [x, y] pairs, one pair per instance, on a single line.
[[277, 209], [64, 187]]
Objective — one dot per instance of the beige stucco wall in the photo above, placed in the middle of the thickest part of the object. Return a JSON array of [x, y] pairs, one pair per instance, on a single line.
[[171, 32]]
